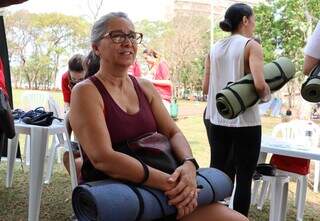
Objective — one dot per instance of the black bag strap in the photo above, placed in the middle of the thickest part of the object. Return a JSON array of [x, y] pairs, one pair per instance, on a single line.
[[211, 187], [141, 202], [157, 198], [243, 107], [314, 74]]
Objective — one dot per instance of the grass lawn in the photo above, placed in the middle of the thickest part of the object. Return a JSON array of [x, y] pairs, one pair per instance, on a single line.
[[56, 197]]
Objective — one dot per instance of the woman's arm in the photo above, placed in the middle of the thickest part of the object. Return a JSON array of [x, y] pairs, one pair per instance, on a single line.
[[88, 123], [185, 191], [205, 84], [165, 124], [309, 64], [255, 58]]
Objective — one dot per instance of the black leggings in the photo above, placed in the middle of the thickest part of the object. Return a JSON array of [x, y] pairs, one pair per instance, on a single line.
[[235, 151]]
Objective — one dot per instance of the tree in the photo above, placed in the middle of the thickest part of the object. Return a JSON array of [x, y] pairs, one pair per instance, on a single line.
[[283, 27], [38, 43], [183, 48], [94, 8]]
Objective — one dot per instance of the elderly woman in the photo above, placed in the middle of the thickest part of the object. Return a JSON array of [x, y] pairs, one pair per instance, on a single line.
[[116, 107]]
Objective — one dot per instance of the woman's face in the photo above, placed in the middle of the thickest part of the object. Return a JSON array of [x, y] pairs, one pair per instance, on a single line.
[[113, 51], [149, 58], [251, 25]]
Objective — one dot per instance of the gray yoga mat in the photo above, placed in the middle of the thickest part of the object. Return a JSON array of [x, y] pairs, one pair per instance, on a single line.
[[310, 90], [116, 201], [238, 96]]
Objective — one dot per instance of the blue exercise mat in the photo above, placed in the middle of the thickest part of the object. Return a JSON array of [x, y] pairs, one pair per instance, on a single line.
[[111, 200]]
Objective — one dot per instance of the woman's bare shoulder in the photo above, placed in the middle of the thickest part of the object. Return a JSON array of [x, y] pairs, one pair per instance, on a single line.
[[147, 88], [145, 83], [84, 86], [84, 91], [254, 45]]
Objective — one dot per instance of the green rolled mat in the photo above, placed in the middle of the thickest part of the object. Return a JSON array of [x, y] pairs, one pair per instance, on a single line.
[[310, 89], [236, 97]]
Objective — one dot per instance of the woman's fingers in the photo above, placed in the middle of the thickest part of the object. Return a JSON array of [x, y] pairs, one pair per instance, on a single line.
[[186, 210], [187, 200], [176, 190], [175, 176], [180, 197]]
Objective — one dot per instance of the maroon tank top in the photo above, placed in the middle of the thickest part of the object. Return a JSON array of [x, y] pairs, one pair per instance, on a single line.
[[121, 125]]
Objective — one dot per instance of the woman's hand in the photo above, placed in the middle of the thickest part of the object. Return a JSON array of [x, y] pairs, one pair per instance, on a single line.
[[265, 96], [186, 210], [186, 189]]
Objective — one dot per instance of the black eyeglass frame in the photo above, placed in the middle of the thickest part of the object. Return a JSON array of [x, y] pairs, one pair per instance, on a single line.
[[134, 37]]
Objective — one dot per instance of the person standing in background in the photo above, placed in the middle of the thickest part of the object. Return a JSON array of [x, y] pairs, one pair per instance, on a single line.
[[235, 143], [312, 51], [159, 75], [74, 75]]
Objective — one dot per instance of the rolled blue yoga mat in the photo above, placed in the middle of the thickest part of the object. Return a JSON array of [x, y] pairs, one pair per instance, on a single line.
[[111, 200], [310, 90]]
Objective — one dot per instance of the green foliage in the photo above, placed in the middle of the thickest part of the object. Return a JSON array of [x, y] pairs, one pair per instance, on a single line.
[[40, 44], [152, 30], [265, 29], [283, 28]]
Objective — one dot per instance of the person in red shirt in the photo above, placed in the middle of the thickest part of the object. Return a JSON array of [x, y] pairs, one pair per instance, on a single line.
[[74, 75], [159, 76], [2, 79]]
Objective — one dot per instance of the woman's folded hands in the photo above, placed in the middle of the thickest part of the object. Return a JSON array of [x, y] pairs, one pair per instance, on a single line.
[[185, 193]]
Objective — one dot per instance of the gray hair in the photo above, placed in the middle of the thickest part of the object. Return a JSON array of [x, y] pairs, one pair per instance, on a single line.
[[99, 28]]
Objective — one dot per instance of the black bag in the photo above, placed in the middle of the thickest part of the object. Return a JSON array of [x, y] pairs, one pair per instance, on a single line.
[[6, 119], [38, 117], [153, 149]]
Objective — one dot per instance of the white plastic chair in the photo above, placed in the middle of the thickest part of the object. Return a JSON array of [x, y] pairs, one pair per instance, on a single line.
[[314, 128], [31, 100], [301, 132], [62, 141], [316, 176]]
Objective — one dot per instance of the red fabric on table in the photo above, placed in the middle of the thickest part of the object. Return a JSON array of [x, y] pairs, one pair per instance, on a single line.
[[291, 164]]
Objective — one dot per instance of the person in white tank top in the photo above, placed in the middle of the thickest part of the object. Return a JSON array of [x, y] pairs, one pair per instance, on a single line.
[[235, 143], [312, 51]]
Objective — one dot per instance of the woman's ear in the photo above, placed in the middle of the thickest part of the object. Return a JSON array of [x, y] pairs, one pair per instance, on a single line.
[[245, 20], [95, 49]]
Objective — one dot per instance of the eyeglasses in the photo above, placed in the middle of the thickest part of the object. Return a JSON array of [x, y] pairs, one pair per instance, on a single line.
[[120, 37], [76, 80]]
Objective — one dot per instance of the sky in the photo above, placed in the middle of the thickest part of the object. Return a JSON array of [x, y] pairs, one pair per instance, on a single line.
[[136, 9]]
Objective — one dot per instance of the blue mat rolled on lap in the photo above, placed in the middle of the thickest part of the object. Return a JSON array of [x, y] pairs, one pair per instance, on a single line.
[[111, 200]]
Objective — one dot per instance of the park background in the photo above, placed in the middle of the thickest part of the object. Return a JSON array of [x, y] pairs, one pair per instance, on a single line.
[[40, 43]]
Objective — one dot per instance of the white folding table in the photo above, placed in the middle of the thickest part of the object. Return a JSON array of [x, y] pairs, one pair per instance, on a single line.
[[278, 204], [38, 146]]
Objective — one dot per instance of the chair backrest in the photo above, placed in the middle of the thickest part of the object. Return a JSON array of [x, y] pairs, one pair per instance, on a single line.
[[54, 107], [66, 121], [300, 131], [33, 99], [284, 131], [308, 131]]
